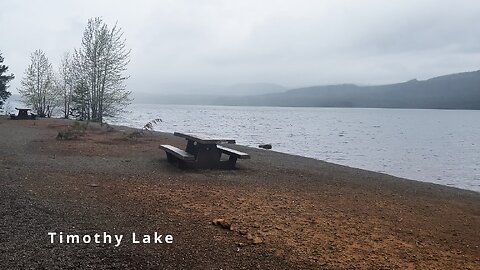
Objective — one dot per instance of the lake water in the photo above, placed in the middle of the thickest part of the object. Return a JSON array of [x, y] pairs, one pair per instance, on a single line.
[[439, 146]]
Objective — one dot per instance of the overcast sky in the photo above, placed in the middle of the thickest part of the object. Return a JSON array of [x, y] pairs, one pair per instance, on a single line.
[[291, 43]]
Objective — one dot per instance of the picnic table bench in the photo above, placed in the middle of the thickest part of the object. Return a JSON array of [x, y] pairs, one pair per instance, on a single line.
[[203, 152]]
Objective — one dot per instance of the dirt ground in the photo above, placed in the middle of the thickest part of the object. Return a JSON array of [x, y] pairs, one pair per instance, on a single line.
[[276, 211]]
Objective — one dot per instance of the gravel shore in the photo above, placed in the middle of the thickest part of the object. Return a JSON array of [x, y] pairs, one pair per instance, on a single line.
[[276, 211]]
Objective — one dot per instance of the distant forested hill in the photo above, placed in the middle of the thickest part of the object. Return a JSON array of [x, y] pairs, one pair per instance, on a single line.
[[456, 91]]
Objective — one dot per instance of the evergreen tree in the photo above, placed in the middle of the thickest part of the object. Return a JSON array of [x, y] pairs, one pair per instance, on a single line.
[[81, 101], [4, 79]]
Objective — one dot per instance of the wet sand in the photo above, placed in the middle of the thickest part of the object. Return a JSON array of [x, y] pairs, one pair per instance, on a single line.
[[279, 211]]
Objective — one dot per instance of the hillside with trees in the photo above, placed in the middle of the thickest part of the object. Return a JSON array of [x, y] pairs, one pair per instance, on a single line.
[[455, 91]]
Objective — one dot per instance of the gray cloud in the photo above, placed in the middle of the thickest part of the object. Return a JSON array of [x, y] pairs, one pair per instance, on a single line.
[[292, 43]]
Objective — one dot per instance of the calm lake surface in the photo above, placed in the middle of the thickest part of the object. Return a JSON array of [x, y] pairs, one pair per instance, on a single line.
[[439, 146]]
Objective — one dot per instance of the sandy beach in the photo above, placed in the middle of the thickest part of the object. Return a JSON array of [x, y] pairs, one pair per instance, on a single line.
[[276, 211]]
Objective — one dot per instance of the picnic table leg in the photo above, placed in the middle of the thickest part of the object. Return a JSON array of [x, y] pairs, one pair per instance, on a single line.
[[230, 163], [208, 156], [232, 160], [176, 161], [170, 157], [192, 148]]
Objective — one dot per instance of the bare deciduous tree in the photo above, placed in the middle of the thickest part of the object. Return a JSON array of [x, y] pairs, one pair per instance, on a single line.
[[38, 89], [100, 63], [65, 83]]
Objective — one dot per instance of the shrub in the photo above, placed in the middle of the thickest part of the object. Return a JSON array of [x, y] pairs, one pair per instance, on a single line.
[[77, 129]]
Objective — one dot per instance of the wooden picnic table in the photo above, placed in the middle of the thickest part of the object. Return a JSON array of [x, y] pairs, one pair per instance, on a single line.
[[203, 152], [23, 114]]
